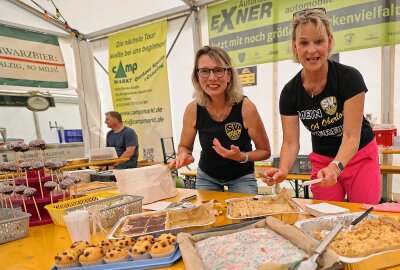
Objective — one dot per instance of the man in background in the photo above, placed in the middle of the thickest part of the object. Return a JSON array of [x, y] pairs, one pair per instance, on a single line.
[[123, 139]]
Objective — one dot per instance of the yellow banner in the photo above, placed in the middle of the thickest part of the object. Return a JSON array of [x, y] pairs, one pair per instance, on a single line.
[[139, 84], [259, 31]]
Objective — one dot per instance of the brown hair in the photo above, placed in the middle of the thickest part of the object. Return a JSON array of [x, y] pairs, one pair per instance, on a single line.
[[115, 115], [315, 16], [234, 91]]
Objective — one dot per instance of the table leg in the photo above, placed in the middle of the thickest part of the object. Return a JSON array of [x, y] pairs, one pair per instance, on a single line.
[[385, 195], [296, 190], [386, 180], [306, 192]]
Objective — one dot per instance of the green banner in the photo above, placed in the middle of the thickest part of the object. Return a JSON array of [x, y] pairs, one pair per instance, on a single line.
[[259, 31], [31, 59]]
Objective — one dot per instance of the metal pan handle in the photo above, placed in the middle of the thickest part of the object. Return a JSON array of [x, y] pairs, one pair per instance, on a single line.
[[363, 215]]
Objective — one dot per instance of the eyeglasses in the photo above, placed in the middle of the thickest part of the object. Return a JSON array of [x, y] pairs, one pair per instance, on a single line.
[[304, 11], [218, 72]]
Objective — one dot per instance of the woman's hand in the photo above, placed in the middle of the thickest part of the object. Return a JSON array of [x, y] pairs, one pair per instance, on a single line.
[[233, 153], [329, 174], [181, 160], [274, 176]]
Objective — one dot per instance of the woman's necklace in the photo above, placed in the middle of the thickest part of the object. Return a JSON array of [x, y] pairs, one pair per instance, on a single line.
[[321, 86], [221, 117]]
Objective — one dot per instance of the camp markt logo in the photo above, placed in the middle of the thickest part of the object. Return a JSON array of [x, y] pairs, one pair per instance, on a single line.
[[122, 70], [329, 105], [233, 130]]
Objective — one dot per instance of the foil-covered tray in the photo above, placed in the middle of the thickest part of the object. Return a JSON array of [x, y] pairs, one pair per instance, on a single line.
[[113, 234], [326, 223], [286, 217], [374, 261]]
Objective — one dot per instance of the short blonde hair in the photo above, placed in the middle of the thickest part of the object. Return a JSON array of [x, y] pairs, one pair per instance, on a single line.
[[315, 16], [234, 91]]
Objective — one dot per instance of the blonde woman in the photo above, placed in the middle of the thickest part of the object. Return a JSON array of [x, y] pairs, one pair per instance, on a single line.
[[227, 122], [328, 98]]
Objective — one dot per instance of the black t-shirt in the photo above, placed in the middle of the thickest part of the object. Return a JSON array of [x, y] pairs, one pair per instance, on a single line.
[[323, 115], [228, 132]]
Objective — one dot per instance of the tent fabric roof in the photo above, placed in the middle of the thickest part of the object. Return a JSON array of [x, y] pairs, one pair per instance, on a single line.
[[89, 16]]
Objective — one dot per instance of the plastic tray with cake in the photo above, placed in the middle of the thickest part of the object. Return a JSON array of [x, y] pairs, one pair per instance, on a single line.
[[317, 228], [142, 264], [280, 206], [173, 220]]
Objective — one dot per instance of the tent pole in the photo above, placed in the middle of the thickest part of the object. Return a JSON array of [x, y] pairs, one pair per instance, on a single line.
[[196, 29], [179, 32], [387, 110], [102, 67], [37, 126]]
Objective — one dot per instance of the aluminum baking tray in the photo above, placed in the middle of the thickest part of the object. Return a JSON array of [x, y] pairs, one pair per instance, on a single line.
[[375, 261], [286, 217], [120, 223], [308, 226]]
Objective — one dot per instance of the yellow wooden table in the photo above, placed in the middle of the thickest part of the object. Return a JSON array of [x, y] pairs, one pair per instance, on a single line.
[[384, 168], [95, 163], [37, 251], [145, 163], [141, 163]]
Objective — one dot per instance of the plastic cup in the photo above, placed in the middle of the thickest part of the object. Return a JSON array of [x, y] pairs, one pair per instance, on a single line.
[[78, 225]]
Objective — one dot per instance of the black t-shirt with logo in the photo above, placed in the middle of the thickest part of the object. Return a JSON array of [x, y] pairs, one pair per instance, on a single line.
[[323, 114], [228, 132]]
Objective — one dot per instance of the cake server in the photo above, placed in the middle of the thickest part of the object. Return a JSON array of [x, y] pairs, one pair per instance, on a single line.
[[181, 202], [311, 263]]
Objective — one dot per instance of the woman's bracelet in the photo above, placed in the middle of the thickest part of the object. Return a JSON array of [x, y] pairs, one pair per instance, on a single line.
[[246, 159]]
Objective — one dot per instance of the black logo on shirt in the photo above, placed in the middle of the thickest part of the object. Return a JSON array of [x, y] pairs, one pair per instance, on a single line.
[[329, 105], [233, 130]]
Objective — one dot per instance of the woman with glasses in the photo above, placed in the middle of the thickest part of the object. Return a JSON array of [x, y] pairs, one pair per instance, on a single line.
[[227, 122], [328, 98]]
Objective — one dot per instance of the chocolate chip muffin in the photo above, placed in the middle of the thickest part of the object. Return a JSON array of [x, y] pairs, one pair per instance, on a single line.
[[92, 255], [169, 237], [66, 259], [106, 244], [162, 249], [148, 238], [116, 254], [125, 242], [79, 246], [141, 250]]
